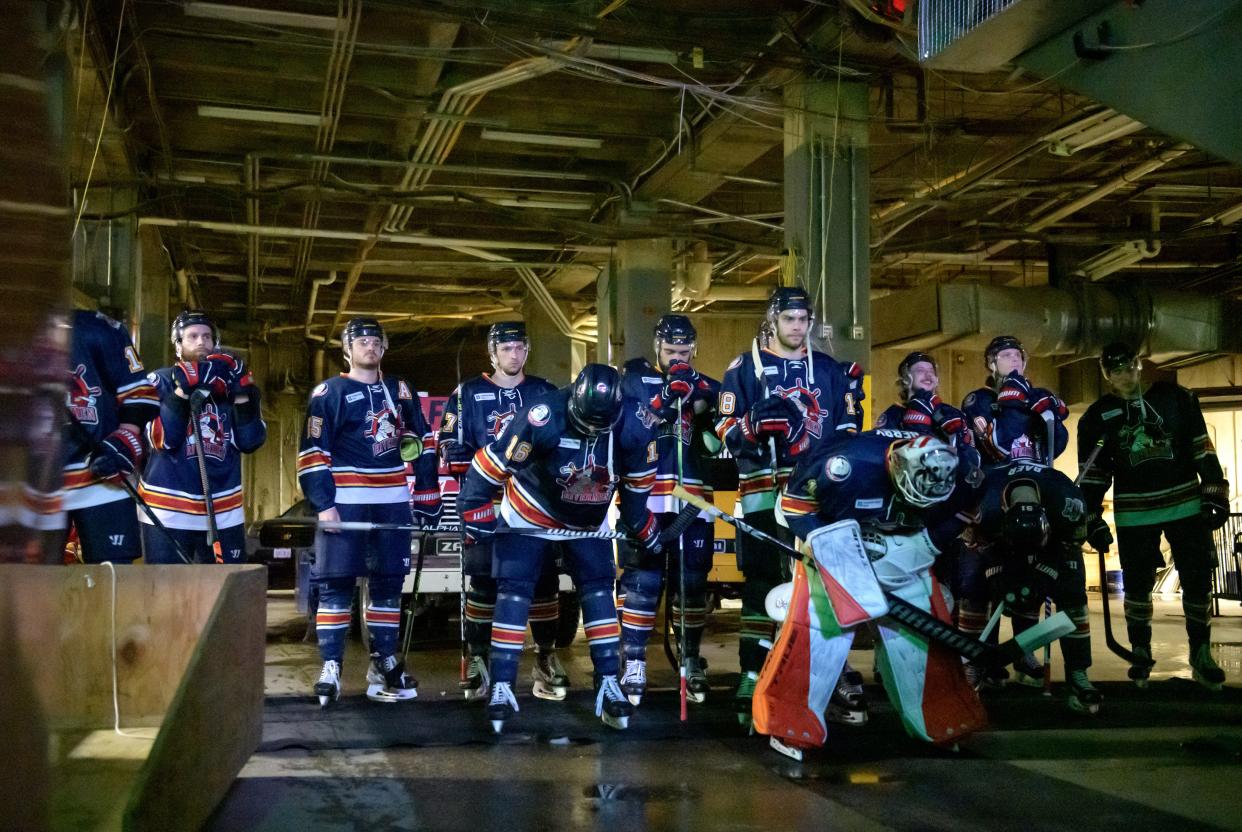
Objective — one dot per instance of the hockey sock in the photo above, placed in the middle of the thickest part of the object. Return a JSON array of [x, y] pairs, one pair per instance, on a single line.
[[1198, 619], [509, 629], [480, 607], [599, 617], [696, 611], [642, 593], [971, 618], [332, 617], [383, 613], [756, 626], [1076, 647], [1138, 618], [545, 610]]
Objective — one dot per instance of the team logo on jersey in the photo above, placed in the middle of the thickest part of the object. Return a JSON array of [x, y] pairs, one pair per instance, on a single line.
[[498, 420], [590, 484], [838, 468], [382, 430], [1022, 448], [81, 396], [807, 401], [539, 415], [319, 390], [215, 437], [645, 416], [1146, 441]]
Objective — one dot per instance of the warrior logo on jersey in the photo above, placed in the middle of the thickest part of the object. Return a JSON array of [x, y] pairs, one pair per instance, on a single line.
[[645, 416], [382, 430], [808, 402], [81, 397], [215, 438], [589, 484], [498, 420]]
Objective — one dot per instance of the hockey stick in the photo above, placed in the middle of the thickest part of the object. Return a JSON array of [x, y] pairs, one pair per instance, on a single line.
[[1050, 422], [418, 575], [911, 616], [89, 441], [197, 399], [681, 565]]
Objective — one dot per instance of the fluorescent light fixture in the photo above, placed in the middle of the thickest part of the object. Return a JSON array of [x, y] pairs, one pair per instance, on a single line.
[[617, 52], [546, 204], [266, 116], [1104, 126], [1117, 258], [265, 17], [1228, 216], [542, 138]]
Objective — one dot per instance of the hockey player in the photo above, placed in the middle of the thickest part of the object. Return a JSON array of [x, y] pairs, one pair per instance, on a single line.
[[227, 409], [921, 410], [1006, 418], [559, 464], [361, 429], [675, 391], [475, 415], [910, 496], [1155, 452], [109, 401], [775, 402]]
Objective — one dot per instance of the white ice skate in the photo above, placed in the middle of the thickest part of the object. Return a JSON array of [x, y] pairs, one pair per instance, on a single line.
[[328, 688], [387, 680]]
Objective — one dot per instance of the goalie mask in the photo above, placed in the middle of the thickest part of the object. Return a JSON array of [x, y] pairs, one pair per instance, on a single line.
[[360, 328], [595, 403], [923, 470], [189, 318]]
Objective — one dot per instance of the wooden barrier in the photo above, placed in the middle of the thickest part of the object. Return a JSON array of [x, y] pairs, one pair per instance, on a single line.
[[189, 664]]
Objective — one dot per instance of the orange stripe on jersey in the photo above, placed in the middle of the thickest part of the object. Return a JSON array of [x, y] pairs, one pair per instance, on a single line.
[[157, 432], [529, 511], [605, 630], [357, 479], [797, 505], [640, 483], [664, 488], [310, 459], [79, 479], [488, 466], [755, 485], [508, 637], [142, 391], [189, 505], [378, 617], [328, 619]]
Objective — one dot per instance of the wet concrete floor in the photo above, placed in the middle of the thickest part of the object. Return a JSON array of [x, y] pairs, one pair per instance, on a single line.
[[1169, 757]]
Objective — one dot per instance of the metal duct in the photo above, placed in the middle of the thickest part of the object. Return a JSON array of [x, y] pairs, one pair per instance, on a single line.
[[1078, 320]]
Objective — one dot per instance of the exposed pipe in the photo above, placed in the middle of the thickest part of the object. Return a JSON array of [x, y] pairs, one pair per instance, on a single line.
[[721, 214], [314, 294], [362, 161]]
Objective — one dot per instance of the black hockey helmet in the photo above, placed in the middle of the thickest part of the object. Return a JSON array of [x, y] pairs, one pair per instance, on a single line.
[[998, 345], [1118, 356], [193, 317], [904, 379], [675, 329], [360, 328], [595, 403], [789, 297], [504, 332], [1025, 527]]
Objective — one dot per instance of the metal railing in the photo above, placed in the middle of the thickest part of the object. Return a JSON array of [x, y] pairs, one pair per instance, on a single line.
[[1227, 576]]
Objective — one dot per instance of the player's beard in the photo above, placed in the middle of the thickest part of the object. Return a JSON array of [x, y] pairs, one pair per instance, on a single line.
[[783, 340], [366, 362]]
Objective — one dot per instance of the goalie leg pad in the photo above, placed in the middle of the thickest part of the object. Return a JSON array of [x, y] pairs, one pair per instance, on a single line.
[[847, 573]]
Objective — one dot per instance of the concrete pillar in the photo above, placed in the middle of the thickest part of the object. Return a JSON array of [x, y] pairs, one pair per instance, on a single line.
[[827, 218], [269, 475], [643, 291], [553, 355], [153, 298]]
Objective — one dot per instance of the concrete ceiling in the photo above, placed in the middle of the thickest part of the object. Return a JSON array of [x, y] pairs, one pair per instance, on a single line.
[[393, 179]]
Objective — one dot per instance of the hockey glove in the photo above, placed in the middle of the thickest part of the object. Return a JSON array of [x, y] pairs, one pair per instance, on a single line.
[[1045, 400], [455, 455], [426, 506], [411, 448], [649, 535], [774, 416], [1099, 536], [1214, 504], [479, 523], [119, 454], [919, 411], [212, 376], [1015, 392]]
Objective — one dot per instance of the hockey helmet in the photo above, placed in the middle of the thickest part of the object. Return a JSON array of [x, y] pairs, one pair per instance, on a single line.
[[998, 345], [1118, 356], [676, 330], [595, 403], [789, 297], [505, 332], [923, 470], [1025, 526], [361, 328], [905, 379], [193, 317]]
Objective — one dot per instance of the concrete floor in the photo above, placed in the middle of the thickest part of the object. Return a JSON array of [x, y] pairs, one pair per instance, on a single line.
[[1164, 758]]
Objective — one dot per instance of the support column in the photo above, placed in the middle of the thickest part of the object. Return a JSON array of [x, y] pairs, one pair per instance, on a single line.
[[643, 292], [553, 355], [827, 214]]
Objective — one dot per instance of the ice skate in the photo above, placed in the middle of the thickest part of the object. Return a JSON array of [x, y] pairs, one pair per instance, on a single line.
[[1140, 672], [387, 680], [328, 688], [610, 703], [1204, 668], [478, 682], [788, 750], [848, 705], [742, 699], [1083, 696], [634, 680], [502, 706], [696, 679], [1028, 672], [550, 679]]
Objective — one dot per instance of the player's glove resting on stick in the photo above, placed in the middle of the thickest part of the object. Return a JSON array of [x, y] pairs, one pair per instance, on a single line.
[[480, 524], [1099, 536], [649, 535], [1214, 503], [1044, 400], [212, 376], [118, 455], [455, 455], [774, 416], [1015, 392]]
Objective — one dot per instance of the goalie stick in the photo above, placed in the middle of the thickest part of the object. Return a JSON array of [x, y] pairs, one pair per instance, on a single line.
[[911, 616]]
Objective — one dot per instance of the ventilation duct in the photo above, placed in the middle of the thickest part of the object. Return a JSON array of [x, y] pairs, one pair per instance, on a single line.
[[1074, 321], [985, 35]]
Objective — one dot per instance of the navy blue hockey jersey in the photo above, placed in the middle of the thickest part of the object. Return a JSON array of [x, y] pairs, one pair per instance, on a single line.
[[108, 386], [847, 478], [827, 392], [554, 478], [1005, 434], [479, 410], [171, 484], [642, 381], [351, 446]]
